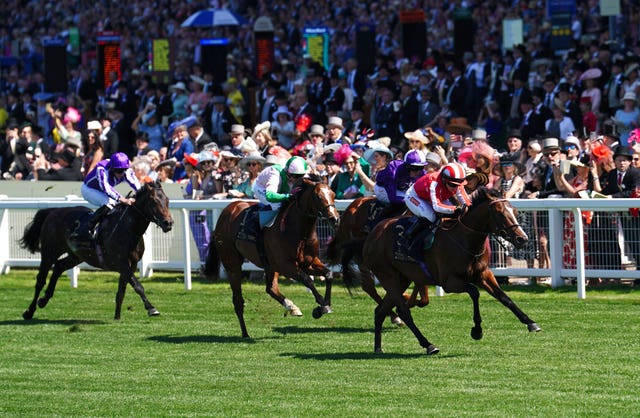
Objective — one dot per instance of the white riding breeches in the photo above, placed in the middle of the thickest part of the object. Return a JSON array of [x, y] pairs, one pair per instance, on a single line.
[[418, 206]]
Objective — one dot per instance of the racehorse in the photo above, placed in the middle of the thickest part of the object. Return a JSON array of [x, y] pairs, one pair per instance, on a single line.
[[347, 246], [291, 246], [458, 261], [118, 243]]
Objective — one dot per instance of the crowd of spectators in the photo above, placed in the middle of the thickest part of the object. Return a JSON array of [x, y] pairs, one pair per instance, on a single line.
[[216, 134]]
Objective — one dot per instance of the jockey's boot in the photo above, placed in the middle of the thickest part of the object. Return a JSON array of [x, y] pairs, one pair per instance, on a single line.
[[262, 251], [415, 235], [83, 234]]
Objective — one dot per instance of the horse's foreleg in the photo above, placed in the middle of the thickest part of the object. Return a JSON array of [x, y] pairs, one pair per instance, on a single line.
[[273, 290], [122, 287], [41, 279], [137, 286], [405, 314], [379, 314], [489, 283], [324, 307], [59, 267], [423, 292], [474, 294]]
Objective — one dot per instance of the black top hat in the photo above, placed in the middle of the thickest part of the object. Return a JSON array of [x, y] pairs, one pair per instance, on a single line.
[[564, 87], [623, 151], [611, 130]]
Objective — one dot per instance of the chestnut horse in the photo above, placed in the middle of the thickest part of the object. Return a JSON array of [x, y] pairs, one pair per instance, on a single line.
[[119, 245], [291, 246], [458, 261], [346, 247]]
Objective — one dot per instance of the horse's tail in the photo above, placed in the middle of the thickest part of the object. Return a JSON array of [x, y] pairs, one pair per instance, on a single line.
[[31, 238], [351, 250], [211, 268]]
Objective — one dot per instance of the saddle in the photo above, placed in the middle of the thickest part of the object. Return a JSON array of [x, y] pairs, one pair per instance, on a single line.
[[378, 211], [401, 245], [250, 225]]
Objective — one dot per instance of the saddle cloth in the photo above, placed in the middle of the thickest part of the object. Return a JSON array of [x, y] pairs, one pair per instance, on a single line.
[[401, 251]]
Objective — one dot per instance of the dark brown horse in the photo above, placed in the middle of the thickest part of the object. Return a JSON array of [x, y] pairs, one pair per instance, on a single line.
[[346, 247], [291, 246], [457, 261], [119, 245]]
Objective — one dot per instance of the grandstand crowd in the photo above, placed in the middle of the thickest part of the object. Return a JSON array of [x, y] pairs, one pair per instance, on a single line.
[[527, 120]]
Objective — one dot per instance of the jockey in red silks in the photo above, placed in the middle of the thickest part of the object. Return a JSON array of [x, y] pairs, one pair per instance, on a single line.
[[429, 197]]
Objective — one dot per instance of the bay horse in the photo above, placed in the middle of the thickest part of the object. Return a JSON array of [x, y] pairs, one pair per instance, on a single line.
[[458, 261], [118, 243], [291, 246], [346, 247]]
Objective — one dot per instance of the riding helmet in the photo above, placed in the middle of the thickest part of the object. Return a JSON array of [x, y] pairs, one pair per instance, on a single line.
[[119, 160], [296, 165], [415, 157], [454, 173]]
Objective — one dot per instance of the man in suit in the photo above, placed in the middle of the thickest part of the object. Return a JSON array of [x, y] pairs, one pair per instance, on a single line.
[[386, 117], [456, 95], [427, 110], [355, 126], [268, 103], [409, 108], [624, 182], [217, 120], [355, 78], [572, 109], [198, 136]]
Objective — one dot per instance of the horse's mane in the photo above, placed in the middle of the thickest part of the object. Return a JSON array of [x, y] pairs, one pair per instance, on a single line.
[[481, 194]]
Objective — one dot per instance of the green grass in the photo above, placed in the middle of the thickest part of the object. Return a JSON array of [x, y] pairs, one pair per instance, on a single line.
[[74, 360]]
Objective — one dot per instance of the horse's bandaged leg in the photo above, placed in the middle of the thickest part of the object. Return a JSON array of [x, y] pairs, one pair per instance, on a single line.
[[291, 308]]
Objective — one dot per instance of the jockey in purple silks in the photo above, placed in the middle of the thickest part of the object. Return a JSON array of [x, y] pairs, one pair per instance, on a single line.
[[98, 189]]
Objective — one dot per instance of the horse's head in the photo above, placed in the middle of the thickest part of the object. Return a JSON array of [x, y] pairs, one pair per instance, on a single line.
[[502, 219], [154, 205], [320, 199]]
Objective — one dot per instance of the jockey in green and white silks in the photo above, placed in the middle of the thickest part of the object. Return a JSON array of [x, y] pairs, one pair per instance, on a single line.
[[274, 183]]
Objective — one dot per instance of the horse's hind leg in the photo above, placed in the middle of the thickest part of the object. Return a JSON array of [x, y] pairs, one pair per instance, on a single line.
[[369, 287], [489, 283], [41, 279], [235, 281], [59, 267], [474, 294], [137, 286], [273, 289]]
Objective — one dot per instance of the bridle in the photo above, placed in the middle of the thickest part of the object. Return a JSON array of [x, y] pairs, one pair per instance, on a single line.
[[502, 232], [152, 219]]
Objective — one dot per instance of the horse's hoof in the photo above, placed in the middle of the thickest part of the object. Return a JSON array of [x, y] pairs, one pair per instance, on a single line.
[[533, 327], [432, 349], [476, 333], [293, 311], [42, 302], [27, 315], [321, 310], [397, 321], [378, 351], [153, 312]]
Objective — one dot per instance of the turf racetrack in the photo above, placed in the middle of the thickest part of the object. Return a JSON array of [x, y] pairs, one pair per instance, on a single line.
[[73, 359]]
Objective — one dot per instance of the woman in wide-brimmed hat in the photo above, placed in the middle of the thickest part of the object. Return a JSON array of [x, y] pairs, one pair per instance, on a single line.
[[591, 89], [283, 127], [627, 118], [253, 165]]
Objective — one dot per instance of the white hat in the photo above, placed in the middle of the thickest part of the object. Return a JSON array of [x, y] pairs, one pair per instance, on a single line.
[[236, 129], [629, 96], [179, 85], [316, 130], [94, 125], [335, 121], [573, 140], [479, 134], [261, 127], [280, 110]]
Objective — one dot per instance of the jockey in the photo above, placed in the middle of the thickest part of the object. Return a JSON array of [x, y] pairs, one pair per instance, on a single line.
[[393, 182], [98, 189], [429, 197], [273, 185]]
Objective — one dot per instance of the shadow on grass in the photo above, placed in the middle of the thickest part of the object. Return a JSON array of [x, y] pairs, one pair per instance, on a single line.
[[37, 321], [359, 356], [311, 330], [204, 339]]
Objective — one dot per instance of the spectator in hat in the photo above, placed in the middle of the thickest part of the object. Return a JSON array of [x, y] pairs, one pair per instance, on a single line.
[[386, 117], [427, 109], [631, 83], [147, 122], [348, 184], [283, 127], [613, 87], [409, 108], [560, 125], [356, 125], [572, 148], [236, 136], [142, 144], [552, 156], [591, 89], [627, 118], [253, 165], [198, 99], [228, 175], [179, 100], [108, 136], [198, 136], [165, 170], [335, 131], [336, 99], [262, 137]]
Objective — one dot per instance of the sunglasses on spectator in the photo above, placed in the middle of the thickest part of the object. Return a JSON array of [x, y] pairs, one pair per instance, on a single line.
[[551, 154], [253, 164], [228, 159], [570, 146], [506, 164], [636, 158]]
